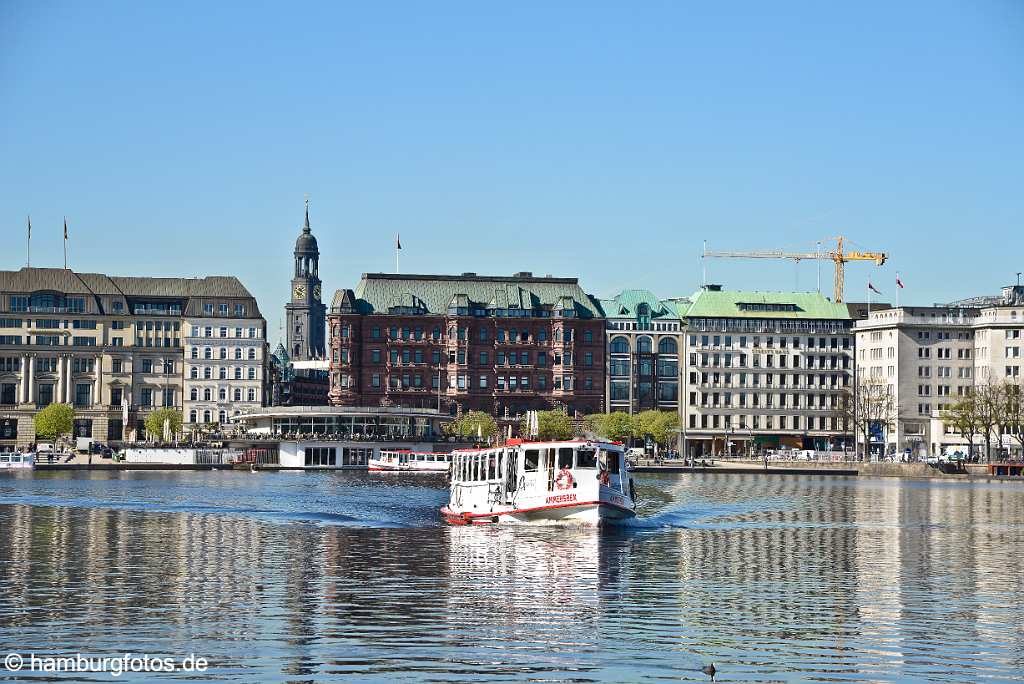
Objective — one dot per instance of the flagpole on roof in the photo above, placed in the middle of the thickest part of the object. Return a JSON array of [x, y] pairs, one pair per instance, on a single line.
[[398, 249], [30, 241], [65, 243], [897, 289]]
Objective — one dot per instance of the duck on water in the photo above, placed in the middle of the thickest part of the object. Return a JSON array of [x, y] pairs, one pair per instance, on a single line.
[[573, 482]]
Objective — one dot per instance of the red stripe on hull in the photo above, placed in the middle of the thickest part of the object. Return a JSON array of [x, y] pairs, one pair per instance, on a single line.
[[477, 518]]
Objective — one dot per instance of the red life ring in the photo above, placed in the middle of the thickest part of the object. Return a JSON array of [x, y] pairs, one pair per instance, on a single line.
[[564, 479]]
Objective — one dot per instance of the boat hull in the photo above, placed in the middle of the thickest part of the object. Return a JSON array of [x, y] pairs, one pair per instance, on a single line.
[[378, 467], [587, 513]]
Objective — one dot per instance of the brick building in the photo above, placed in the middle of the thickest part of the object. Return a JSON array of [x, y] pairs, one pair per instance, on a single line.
[[503, 345]]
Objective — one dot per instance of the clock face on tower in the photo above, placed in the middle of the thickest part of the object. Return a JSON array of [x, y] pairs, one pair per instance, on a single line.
[[299, 292], [316, 292]]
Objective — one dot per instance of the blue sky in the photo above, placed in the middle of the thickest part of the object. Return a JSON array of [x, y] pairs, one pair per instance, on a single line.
[[600, 139]]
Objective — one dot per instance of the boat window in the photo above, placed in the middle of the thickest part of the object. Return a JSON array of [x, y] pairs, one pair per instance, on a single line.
[[511, 475], [586, 458], [565, 457], [4, 459], [532, 462], [610, 461], [492, 467]]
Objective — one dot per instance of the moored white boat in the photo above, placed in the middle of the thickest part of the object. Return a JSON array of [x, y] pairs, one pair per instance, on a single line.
[[409, 462], [571, 482], [17, 461]]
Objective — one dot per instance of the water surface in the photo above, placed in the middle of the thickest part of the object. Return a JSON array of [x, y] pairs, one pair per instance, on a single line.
[[303, 577]]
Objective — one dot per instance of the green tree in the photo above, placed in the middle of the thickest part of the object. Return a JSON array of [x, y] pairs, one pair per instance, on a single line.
[[962, 416], [551, 425], [660, 426], [55, 421], [155, 422], [473, 425], [617, 426]]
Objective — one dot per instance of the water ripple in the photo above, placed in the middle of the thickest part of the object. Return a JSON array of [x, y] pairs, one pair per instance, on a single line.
[[320, 576]]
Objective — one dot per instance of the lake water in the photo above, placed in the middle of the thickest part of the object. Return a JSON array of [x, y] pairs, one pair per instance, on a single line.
[[303, 577]]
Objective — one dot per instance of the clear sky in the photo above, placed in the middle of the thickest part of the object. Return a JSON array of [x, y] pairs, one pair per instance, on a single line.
[[604, 140]]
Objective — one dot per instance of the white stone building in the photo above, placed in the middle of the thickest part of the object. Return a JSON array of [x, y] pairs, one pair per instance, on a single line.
[[930, 356], [226, 357], [765, 370]]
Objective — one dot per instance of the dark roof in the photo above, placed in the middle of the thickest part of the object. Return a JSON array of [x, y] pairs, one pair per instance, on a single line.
[[305, 244], [379, 292], [29, 280]]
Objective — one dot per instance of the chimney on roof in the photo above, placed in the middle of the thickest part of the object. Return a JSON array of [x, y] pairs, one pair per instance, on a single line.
[[523, 274]]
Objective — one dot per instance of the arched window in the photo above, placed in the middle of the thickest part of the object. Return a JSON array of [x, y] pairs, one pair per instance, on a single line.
[[208, 373], [238, 373], [620, 345], [192, 416], [252, 353], [238, 394], [238, 352], [207, 394], [194, 395], [207, 353], [223, 417], [195, 352], [206, 416], [223, 352], [194, 373], [667, 345], [252, 373], [643, 345]]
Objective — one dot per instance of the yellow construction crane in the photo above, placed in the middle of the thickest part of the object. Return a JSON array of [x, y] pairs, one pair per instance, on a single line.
[[838, 256]]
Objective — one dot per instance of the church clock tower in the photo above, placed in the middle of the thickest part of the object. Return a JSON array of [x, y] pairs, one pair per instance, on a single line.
[[306, 313]]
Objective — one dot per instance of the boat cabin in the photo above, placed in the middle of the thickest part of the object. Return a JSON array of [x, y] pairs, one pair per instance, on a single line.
[[550, 466]]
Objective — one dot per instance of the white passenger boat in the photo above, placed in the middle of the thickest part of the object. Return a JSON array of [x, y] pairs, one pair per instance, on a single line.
[[575, 482], [409, 462], [17, 461]]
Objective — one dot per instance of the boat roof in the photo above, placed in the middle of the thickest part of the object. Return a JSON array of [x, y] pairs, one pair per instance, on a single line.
[[410, 451], [541, 443]]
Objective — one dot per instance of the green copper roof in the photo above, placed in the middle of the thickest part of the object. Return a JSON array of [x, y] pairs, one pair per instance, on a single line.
[[711, 303], [382, 292], [627, 303]]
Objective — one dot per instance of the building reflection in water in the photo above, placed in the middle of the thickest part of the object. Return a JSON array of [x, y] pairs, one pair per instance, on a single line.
[[778, 577]]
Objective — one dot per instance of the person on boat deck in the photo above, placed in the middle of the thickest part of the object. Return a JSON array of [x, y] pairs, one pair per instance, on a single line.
[[564, 475], [603, 476]]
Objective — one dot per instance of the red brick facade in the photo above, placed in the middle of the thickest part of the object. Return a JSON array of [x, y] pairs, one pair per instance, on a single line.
[[501, 365]]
